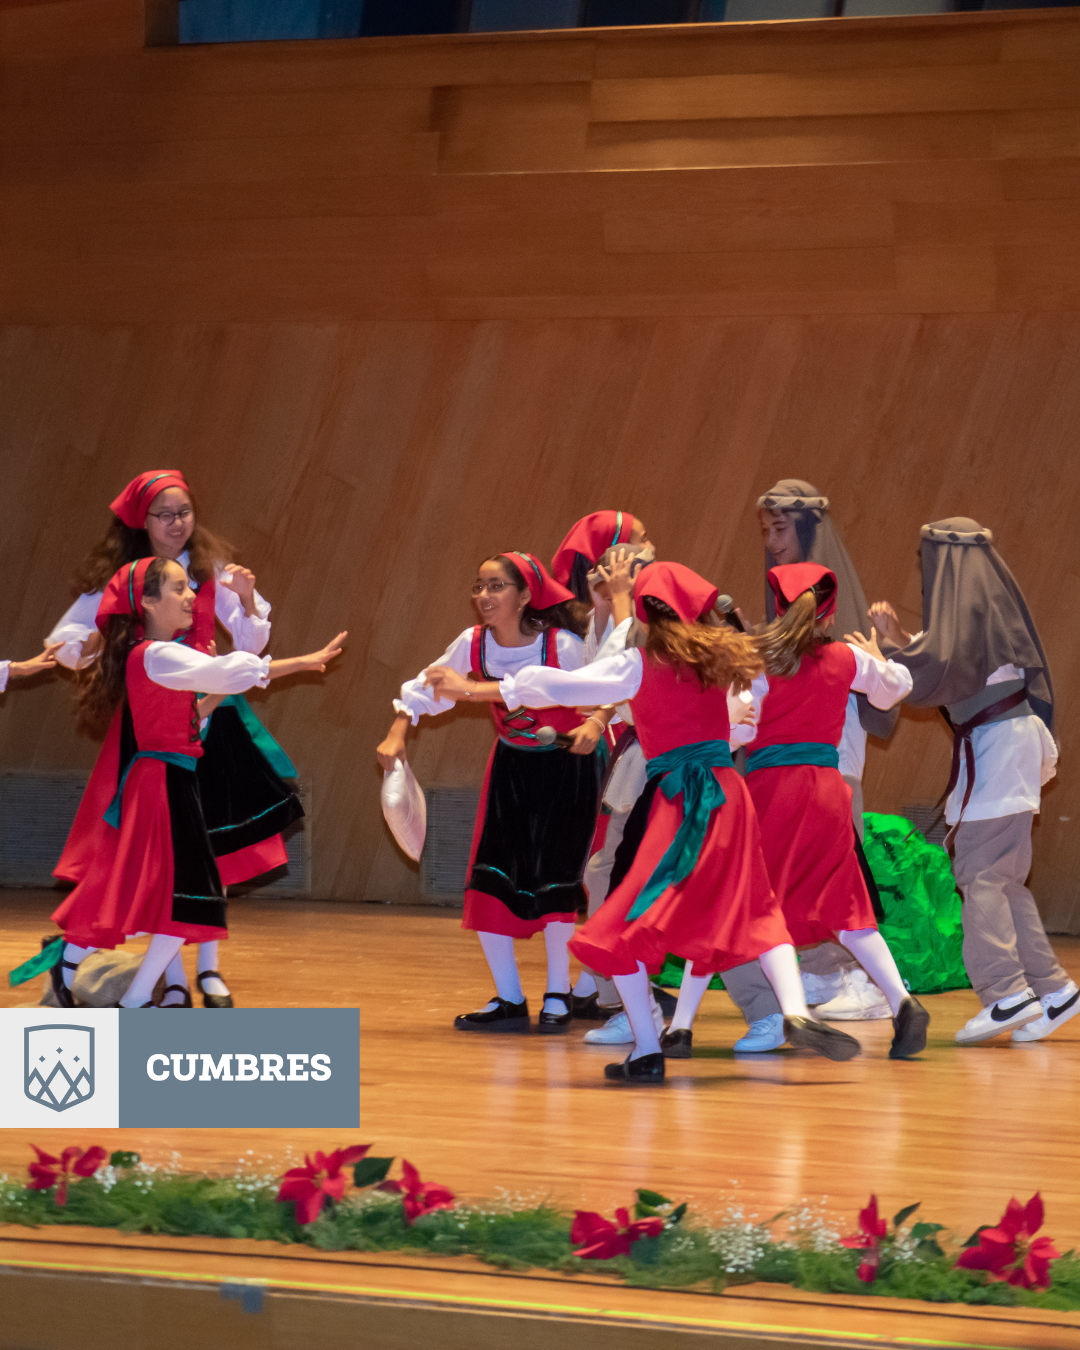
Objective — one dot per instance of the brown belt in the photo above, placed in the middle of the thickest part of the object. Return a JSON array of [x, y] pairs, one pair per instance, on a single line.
[[962, 737]]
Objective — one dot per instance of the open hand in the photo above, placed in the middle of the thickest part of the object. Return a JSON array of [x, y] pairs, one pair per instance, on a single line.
[[45, 660], [318, 660], [618, 576], [868, 645], [240, 580], [885, 620]]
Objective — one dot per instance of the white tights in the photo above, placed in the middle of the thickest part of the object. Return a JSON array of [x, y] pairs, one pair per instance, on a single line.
[[161, 951], [637, 1004], [499, 950], [691, 992], [872, 952]]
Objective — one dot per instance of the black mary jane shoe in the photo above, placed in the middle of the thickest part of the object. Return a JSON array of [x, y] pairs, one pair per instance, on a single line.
[[212, 1000], [176, 989], [807, 1034], [648, 1070], [505, 1017], [909, 1030], [587, 1008], [556, 1024], [61, 992], [677, 1044]]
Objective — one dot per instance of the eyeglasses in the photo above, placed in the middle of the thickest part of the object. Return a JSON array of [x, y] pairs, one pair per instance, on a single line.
[[167, 517], [492, 587]]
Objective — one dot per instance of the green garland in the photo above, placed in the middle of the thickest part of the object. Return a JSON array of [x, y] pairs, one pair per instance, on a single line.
[[795, 1248]]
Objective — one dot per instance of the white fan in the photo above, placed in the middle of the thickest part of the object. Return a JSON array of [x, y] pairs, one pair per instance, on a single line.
[[404, 807]]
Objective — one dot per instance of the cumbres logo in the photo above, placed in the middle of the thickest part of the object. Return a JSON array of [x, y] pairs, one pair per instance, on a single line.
[[183, 1067], [58, 1065]]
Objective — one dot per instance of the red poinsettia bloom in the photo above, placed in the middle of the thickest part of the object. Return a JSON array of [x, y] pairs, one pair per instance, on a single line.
[[1011, 1251], [73, 1162], [872, 1228], [601, 1239], [308, 1186], [420, 1197]]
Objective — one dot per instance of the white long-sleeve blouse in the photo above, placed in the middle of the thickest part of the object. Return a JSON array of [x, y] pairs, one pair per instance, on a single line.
[[174, 666]]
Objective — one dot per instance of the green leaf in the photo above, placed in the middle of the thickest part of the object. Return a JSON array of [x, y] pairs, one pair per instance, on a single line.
[[645, 1211], [652, 1198], [905, 1214], [645, 1251], [677, 1214], [370, 1170], [925, 1230], [973, 1240], [122, 1158], [928, 1247]]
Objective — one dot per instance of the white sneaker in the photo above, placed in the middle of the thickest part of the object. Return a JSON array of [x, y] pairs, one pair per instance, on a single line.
[[821, 988], [767, 1033], [616, 1030], [860, 1000], [1057, 1009], [1008, 1014]]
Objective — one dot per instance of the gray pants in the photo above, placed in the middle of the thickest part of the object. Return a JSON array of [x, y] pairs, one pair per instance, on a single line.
[[751, 992], [1005, 944], [597, 878]]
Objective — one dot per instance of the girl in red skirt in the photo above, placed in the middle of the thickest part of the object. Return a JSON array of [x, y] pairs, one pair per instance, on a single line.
[[537, 807], [698, 886], [154, 870], [802, 802]]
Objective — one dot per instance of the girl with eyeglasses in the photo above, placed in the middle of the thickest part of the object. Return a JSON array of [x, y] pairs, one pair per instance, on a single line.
[[538, 802], [245, 801]]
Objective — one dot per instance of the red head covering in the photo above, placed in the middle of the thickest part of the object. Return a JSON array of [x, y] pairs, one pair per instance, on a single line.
[[592, 536], [791, 580], [124, 594], [689, 595], [134, 502], [543, 588]]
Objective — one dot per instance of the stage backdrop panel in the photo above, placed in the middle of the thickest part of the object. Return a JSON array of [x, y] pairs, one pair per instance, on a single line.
[[395, 304]]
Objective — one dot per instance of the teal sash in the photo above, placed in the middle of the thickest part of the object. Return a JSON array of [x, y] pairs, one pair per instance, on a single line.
[[800, 752], [48, 957], [686, 770], [278, 760], [112, 815]]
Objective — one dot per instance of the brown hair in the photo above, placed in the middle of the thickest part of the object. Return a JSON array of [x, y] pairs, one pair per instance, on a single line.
[[719, 656], [121, 544], [100, 686], [783, 643], [572, 615]]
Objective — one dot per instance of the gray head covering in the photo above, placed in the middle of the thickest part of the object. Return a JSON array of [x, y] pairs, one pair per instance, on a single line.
[[975, 619], [820, 543]]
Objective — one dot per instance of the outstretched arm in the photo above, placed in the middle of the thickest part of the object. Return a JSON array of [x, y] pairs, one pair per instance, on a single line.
[[886, 621], [45, 660]]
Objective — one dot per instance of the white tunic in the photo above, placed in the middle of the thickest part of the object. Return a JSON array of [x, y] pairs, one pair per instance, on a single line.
[[248, 634], [416, 697], [174, 666]]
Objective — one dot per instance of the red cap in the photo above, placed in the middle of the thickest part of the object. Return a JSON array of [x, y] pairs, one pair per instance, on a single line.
[[124, 593], [543, 588], [134, 502], [592, 536], [791, 580], [689, 595]]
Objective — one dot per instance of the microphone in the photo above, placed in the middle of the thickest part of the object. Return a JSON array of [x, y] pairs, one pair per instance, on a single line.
[[549, 736], [725, 607]]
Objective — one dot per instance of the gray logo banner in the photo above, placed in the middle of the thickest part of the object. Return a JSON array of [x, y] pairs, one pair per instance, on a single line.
[[268, 1067], [58, 1065]]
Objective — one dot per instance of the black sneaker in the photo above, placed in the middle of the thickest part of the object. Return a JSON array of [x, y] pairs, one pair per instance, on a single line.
[[504, 1017], [806, 1034], [909, 1029], [677, 1044], [646, 1070]]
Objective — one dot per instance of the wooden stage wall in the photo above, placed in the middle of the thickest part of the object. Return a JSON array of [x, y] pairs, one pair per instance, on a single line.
[[394, 304]]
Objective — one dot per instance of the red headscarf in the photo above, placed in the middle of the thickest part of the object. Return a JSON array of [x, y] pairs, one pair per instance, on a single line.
[[592, 536], [124, 594], [134, 502], [791, 580], [543, 588], [689, 595]]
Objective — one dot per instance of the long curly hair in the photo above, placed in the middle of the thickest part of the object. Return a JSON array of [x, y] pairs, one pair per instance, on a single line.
[[572, 615], [717, 654], [783, 643], [100, 686], [121, 544]]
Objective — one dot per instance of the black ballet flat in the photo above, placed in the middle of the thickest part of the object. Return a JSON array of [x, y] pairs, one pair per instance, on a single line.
[[909, 1030], [505, 1017], [587, 1008], [556, 1024], [806, 1034], [647, 1070], [677, 1044], [212, 1000], [176, 989], [63, 994]]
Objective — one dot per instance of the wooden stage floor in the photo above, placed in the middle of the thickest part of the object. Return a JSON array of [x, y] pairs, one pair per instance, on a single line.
[[960, 1130]]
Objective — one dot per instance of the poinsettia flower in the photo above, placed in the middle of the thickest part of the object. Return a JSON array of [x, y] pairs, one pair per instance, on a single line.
[[872, 1228], [1011, 1251], [49, 1171], [601, 1239], [420, 1197], [310, 1185]]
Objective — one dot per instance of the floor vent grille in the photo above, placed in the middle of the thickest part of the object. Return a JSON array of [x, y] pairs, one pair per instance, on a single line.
[[451, 814]]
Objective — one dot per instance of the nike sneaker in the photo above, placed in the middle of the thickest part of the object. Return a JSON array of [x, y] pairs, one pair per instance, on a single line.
[[1008, 1014], [1057, 1008]]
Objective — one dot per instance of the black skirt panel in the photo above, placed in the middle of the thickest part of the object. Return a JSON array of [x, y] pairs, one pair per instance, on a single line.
[[197, 892], [244, 801]]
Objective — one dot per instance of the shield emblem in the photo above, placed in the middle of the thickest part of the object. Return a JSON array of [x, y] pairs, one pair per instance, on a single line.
[[59, 1065]]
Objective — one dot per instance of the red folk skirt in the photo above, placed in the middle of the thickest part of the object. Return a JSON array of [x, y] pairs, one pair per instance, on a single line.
[[808, 840], [722, 915]]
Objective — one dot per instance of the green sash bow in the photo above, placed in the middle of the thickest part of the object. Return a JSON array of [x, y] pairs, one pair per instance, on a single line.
[[686, 770], [113, 814], [799, 752], [49, 955]]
